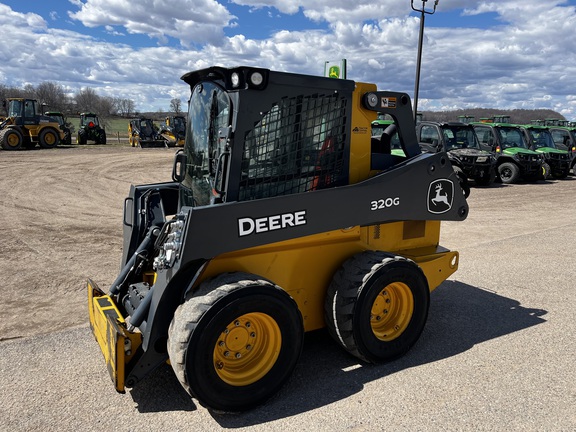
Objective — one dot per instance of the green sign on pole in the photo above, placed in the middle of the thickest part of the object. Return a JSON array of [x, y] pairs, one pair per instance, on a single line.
[[335, 69]]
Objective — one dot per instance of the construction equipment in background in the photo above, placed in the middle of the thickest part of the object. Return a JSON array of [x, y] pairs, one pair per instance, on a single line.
[[64, 126], [174, 131], [25, 126], [142, 133], [90, 129], [282, 218], [459, 142]]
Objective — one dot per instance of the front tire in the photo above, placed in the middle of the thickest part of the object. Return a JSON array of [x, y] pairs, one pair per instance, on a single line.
[[509, 172], [235, 343], [487, 179], [11, 139], [377, 305], [48, 138]]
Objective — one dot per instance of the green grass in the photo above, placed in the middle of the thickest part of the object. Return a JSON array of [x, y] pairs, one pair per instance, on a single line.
[[115, 126]]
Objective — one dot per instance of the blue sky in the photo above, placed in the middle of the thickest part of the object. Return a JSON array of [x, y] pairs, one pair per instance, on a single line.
[[477, 53]]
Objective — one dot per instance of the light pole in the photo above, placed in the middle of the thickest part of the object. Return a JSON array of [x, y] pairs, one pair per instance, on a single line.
[[423, 13]]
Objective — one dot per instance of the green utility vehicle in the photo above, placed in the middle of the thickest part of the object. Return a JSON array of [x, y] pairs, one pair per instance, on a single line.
[[514, 160], [564, 137], [459, 142], [540, 140]]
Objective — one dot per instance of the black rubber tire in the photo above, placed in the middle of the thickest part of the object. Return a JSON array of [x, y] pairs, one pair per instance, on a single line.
[[11, 139], [509, 172], [487, 179], [560, 175], [101, 137], [81, 137], [546, 172], [217, 359], [366, 283], [48, 138]]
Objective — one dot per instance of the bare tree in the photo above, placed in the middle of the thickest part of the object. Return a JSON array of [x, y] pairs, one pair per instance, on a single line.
[[176, 106], [125, 107], [87, 100], [52, 95]]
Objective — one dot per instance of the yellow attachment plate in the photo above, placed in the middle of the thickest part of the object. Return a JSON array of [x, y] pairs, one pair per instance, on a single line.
[[109, 328]]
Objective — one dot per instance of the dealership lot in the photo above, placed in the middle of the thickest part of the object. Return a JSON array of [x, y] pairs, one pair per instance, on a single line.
[[497, 353]]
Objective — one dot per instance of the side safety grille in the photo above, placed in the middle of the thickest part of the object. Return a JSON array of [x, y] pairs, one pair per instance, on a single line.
[[298, 146]]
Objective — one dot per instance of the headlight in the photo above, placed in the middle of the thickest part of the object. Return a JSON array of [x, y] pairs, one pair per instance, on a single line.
[[481, 159], [170, 249], [256, 78]]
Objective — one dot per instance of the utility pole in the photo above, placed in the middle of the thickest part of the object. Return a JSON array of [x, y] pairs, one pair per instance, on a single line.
[[423, 13]]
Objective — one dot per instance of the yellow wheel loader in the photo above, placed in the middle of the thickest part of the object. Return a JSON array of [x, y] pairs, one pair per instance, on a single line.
[[284, 216], [25, 126]]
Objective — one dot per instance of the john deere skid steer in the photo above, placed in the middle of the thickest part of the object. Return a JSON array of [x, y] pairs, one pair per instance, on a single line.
[[143, 134], [283, 216]]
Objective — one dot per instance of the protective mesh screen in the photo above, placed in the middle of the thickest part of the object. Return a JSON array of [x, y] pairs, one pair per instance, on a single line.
[[298, 146]]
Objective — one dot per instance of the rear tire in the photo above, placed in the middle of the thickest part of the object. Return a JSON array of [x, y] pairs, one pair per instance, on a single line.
[[236, 341], [48, 138], [11, 139], [509, 172], [81, 137], [377, 305], [101, 137]]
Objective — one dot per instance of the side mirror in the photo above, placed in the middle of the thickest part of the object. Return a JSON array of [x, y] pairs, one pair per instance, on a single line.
[[179, 167]]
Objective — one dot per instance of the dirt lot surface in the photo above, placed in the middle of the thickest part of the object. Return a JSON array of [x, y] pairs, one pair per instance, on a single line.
[[497, 353], [61, 219]]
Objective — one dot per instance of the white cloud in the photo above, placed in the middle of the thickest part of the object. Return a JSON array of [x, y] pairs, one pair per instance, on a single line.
[[528, 60], [189, 21]]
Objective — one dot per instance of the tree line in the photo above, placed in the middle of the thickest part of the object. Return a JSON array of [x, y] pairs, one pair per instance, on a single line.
[[54, 98], [518, 116]]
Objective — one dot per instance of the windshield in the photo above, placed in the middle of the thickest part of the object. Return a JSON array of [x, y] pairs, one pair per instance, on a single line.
[[89, 119], [15, 108], [179, 123], [541, 138], [510, 137], [58, 118], [208, 112], [460, 137]]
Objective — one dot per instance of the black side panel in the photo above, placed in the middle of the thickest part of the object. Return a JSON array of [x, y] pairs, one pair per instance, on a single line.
[[422, 188]]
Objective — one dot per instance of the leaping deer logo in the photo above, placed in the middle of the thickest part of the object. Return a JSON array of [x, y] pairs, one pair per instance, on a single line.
[[440, 198]]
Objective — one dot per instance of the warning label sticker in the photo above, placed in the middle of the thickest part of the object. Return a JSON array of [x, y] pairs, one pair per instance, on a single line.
[[388, 102]]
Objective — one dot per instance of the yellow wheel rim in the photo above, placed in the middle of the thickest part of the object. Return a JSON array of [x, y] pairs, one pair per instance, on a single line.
[[392, 311], [50, 139], [13, 140], [247, 349]]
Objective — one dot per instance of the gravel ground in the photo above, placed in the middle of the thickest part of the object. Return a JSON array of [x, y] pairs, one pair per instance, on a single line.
[[497, 352]]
